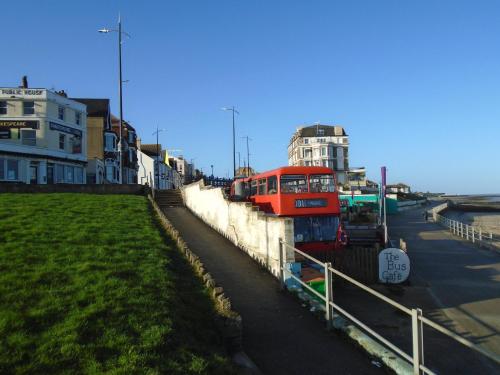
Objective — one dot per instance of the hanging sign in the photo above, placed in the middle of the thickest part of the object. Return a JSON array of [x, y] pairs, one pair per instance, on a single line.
[[65, 129], [393, 266]]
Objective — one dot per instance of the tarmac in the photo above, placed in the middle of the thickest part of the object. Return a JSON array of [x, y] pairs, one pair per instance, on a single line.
[[280, 335]]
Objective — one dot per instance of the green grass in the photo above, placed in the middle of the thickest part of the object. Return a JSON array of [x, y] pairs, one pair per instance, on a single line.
[[89, 284]]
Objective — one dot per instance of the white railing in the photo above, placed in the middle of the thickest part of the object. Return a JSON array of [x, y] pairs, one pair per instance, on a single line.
[[472, 233], [418, 320]]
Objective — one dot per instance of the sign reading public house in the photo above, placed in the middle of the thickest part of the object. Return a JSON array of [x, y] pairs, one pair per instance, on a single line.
[[393, 266]]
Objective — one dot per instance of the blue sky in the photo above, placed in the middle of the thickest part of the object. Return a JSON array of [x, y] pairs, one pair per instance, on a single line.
[[416, 84]]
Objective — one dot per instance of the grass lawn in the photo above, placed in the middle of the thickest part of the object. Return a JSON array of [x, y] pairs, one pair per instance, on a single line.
[[88, 284]]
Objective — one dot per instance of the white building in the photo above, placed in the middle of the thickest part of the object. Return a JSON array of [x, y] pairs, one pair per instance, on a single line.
[[146, 172], [164, 176], [42, 137], [321, 145]]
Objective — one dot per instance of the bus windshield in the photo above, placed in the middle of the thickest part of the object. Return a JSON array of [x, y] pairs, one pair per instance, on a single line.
[[293, 184], [315, 228], [322, 183]]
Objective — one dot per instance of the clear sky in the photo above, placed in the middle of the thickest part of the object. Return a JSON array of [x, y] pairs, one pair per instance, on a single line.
[[416, 84]]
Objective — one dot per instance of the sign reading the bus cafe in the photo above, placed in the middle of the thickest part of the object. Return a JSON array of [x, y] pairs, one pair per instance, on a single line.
[[393, 266]]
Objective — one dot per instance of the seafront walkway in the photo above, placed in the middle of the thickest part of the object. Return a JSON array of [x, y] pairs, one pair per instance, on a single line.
[[463, 280], [279, 335]]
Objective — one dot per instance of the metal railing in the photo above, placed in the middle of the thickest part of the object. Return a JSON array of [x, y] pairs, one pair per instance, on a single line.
[[418, 320], [472, 233]]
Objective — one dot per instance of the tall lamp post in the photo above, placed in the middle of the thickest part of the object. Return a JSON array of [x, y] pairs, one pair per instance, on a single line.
[[157, 132], [232, 109], [120, 32], [248, 154]]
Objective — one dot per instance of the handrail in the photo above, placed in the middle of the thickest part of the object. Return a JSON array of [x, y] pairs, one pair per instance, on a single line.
[[303, 254], [372, 291]]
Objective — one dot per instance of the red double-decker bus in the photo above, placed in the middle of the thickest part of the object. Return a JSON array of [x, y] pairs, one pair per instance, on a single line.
[[306, 194]]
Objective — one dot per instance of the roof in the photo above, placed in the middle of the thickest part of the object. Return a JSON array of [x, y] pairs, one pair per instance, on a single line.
[[115, 121], [321, 130], [151, 149], [295, 170], [95, 107]]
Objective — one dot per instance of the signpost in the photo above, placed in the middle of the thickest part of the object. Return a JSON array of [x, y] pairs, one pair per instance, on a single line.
[[393, 266]]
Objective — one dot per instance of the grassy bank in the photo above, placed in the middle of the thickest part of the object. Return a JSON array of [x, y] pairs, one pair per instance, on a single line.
[[89, 285]]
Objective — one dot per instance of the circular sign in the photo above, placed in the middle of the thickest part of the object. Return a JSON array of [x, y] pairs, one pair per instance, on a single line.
[[393, 266]]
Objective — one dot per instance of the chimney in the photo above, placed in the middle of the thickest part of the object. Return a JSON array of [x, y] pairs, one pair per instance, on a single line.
[[24, 82]]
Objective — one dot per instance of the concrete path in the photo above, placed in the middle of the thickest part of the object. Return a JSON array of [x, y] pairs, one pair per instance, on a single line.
[[463, 280], [279, 335]]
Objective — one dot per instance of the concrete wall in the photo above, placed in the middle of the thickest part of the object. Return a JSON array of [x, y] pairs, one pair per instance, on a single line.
[[436, 210], [253, 231]]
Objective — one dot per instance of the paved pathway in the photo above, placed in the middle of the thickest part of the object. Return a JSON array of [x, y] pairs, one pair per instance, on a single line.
[[279, 335], [463, 279]]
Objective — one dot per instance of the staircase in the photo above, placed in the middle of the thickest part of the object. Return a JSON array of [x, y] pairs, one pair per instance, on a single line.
[[169, 198]]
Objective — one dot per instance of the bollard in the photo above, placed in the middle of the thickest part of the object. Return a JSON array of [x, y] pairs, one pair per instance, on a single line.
[[467, 231], [328, 295]]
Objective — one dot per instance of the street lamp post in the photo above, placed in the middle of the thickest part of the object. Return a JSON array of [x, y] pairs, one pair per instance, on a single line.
[[232, 109], [212, 166], [158, 157], [248, 154], [120, 32]]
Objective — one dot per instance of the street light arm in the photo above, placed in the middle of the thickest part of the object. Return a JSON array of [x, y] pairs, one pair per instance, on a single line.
[[106, 31]]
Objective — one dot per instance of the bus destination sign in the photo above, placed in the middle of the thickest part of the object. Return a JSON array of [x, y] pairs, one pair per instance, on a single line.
[[310, 203]]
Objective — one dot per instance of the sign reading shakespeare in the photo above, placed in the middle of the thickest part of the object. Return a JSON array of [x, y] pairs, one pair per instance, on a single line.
[[65, 129], [393, 266], [17, 124]]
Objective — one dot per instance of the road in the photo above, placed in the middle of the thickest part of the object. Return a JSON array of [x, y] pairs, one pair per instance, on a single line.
[[463, 280]]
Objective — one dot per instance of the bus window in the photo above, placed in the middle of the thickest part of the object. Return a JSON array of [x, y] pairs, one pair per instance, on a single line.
[[322, 183], [253, 188], [293, 184], [272, 185], [262, 186], [315, 228]]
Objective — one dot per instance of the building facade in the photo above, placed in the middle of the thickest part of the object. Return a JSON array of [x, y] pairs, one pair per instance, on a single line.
[[321, 145], [102, 143], [43, 137], [129, 150]]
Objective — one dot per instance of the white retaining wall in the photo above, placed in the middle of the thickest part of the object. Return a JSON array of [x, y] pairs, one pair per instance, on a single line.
[[253, 231]]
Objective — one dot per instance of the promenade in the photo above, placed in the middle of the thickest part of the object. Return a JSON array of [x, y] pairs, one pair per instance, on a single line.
[[462, 279]]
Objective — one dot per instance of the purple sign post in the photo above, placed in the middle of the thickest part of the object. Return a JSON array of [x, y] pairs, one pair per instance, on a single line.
[[383, 170]]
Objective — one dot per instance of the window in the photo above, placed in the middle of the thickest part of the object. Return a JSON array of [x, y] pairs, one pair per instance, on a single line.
[[110, 172], [272, 185], [12, 169], [262, 186], [78, 118], [28, 108], [68, 174], [253, 187], [130, 137], [306, 141], [308, 153], [78, 175], [2, 169], [293, 184], [315, 228], [28, 137], [62, 141], [59, 173], [110, 142], [323, 151], [3, 107], [60, 112], [320, 131], [322, 183], [77, 145]]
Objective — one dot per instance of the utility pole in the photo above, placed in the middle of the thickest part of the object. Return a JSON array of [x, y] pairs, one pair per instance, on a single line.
[[157, 132], [248, 154], [232, 109]]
